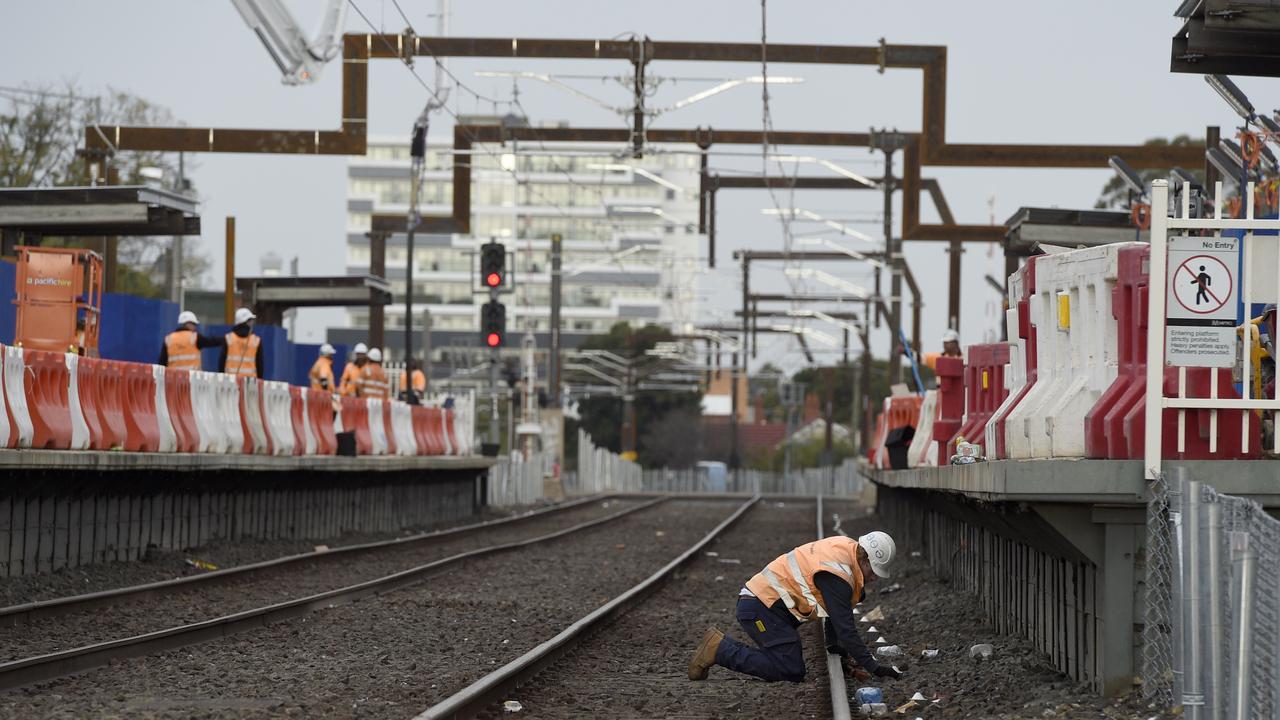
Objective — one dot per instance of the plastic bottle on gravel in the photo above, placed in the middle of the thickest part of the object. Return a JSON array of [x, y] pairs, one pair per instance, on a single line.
[[869, 695], [874, 709]]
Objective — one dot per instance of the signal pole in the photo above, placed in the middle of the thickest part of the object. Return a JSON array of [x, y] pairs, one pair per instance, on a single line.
[[493, 326]]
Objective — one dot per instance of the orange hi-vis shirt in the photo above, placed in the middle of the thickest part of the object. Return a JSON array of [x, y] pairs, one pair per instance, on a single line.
[[790, 576]]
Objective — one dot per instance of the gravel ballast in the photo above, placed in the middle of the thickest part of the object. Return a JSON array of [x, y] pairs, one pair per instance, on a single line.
[[394, 655], [264, 587]]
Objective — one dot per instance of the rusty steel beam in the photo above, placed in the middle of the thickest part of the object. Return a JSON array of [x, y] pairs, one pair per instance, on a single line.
[[929, 146]]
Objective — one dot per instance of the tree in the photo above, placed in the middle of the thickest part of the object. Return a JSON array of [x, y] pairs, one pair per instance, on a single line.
[[39, 134], [668, 423], [1116, 194]]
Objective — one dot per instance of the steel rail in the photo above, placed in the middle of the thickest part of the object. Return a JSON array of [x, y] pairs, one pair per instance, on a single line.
[[18, 673], [14, 615], [491, 688], [835, 670]]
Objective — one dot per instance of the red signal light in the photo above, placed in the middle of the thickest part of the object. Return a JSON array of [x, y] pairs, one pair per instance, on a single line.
[[494, 339], [493, 279]]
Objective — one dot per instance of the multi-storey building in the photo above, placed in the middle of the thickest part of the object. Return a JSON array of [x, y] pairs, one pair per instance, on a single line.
[[629, 229]]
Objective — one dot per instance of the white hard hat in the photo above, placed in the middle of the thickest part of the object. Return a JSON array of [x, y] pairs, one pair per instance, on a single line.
[[360, 349], [326, 349], [186, 316], [880, 551], [375, 355], [244, 315], [950, 336]]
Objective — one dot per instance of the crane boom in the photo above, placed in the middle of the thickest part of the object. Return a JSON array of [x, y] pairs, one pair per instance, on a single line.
[[300, 61]]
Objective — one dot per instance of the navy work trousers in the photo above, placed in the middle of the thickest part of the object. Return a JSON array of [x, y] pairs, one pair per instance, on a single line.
[[778, 654]]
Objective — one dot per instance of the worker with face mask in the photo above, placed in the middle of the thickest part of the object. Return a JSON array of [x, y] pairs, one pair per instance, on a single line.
[[181, 348], [241, 349], [822, 579], [353, 374]]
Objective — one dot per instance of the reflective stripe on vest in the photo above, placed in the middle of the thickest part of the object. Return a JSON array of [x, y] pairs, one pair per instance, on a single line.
[[180, 345], [789, 577], [242, 354]]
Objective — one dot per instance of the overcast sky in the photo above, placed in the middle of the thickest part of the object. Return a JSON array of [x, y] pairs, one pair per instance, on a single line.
[[1019, 72]]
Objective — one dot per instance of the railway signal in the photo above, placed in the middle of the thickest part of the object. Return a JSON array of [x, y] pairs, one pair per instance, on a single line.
[[493, 324], [493, 265]]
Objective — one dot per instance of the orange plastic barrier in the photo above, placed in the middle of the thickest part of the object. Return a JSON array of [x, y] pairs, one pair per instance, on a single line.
[[427, 424], [355, 416], [177, 396], [109, 403], [138, 398], [320, 412], [296, 418], [89, 377], [47, 385]]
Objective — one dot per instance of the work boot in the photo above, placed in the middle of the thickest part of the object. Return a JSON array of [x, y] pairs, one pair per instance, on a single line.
[[705, 656]]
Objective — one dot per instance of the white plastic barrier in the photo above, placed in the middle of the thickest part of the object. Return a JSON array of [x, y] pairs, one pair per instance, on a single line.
[[168, 438], [80, 439], [402, 428], [1015, 375], [307, 431], [449, 449], [204, 408], [277, 413], [377, 435], [251, 414], [15, 373], [1076, 352], [5, 426], [228, 392], [922, 450]]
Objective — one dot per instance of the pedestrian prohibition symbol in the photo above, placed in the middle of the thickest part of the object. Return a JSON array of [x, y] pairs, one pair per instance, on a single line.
[[1200, 308]]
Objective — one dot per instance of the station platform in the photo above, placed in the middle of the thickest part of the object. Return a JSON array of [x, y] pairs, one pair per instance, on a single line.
[[203, 462], [1081, 480], [1054, 549], [66, 508]]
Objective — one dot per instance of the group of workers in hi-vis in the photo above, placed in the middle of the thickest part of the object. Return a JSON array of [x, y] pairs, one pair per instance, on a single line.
[[241, 349], [241, 354]]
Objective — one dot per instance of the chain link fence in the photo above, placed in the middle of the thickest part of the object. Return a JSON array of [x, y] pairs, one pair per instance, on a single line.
[[1211, 641]]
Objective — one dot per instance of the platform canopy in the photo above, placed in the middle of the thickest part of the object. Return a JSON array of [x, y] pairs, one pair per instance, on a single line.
[[109, 210], [271, 296], [1036, 230]]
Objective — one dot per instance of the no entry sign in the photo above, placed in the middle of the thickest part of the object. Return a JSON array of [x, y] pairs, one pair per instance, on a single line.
[[1200, 304]]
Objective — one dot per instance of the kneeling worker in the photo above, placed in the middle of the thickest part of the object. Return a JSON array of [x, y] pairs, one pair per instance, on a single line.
[[820, 579]]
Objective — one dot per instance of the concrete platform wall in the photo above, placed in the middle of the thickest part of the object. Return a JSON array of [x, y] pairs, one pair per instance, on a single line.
[[1030, 579], [51, 519]]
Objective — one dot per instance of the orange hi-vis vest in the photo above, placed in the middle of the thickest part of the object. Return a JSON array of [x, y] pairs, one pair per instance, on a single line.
[[181, 348], [790, 577], [352, 380], [375, 382], [419, 381], [322, 375], [242, 355]]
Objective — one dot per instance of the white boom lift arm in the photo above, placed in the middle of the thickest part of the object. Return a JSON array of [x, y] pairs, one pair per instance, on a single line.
[[299, 60]]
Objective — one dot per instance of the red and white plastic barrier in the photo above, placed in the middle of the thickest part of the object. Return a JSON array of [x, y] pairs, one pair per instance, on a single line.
[[63, 401]]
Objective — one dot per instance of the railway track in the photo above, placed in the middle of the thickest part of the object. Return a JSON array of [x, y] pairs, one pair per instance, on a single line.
[[47, 666], [24, 613], [633, 676]]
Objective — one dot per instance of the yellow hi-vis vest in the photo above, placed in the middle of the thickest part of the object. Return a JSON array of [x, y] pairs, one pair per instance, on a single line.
[[242, 355], [790, 577], [181, 348]]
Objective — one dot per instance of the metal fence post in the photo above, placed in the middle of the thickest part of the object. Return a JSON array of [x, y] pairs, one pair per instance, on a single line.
[[1245, 561], [1216, 696], [1192, 636]]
